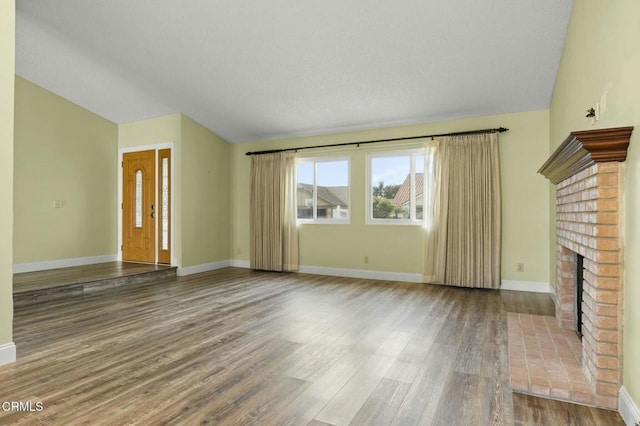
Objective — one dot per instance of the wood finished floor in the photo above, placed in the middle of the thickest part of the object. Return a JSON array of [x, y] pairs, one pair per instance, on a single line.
[[29, 281], [241, 347]]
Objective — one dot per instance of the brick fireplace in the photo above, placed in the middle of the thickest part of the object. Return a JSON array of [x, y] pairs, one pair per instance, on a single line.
[[588, 171]]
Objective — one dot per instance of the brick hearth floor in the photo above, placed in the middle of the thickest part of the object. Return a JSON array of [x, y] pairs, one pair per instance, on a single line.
[[545, 360]]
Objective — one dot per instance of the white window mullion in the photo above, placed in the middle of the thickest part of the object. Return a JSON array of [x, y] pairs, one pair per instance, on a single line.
[[315, 190], [412, 197]]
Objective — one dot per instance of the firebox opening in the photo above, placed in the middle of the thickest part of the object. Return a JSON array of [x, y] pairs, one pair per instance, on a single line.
[[579, 286]]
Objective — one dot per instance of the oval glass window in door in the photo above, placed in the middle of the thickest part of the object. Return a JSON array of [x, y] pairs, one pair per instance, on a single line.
[[138, 199]]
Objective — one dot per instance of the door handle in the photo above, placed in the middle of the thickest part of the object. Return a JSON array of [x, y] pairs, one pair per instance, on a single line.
[[153, 211]]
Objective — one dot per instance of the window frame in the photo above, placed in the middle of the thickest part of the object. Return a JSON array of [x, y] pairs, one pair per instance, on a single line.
[[412, 153], [315, 219]]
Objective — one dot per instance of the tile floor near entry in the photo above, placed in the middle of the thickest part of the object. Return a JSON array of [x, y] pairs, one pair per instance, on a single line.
[[545, 360]]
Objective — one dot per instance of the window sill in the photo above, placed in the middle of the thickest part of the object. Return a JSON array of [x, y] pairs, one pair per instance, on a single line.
[[393, 222], [323, 222]]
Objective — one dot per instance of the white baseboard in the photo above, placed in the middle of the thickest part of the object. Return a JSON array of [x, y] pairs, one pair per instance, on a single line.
[[19, 268], [241, 263], [628, 408], [346, 272], [533, 286], [552, 293], [196, 269], [7, 353], [315, 270], [361, 273]]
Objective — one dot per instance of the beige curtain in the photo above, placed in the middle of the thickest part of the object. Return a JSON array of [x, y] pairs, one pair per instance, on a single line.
[[463, 229], [274, 233]]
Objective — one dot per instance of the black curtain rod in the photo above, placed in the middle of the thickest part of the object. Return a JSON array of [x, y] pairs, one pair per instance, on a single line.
[[469, 132]]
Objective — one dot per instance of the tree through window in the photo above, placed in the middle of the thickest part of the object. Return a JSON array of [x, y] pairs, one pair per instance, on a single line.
[[396, 187]]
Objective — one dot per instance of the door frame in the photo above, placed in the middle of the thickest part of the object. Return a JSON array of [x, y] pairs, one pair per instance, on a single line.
[[156, 148]]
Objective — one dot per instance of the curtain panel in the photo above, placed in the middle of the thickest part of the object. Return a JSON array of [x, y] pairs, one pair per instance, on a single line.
[[463, 224], [273, 228]]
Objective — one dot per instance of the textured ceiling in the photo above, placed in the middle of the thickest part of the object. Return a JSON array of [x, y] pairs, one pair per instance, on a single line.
[[251, 70]]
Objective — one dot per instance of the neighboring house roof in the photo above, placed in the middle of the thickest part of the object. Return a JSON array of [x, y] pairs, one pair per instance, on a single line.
[[333, 195], [340, 193], [404, 192]]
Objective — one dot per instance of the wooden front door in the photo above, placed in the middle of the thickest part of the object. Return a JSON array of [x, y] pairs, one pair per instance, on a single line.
[[138, 206]]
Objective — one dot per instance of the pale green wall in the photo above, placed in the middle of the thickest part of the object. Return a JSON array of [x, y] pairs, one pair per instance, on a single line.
[[205, 195], [602, 53], [62, 152], [153, 131], [201, 184], [399, 248], [7, 69]]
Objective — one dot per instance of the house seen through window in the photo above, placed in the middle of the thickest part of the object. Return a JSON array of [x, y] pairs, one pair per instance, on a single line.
[[396, 187], [323, 190]]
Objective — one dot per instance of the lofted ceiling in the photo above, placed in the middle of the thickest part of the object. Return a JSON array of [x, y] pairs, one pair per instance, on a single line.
[[253, 70]]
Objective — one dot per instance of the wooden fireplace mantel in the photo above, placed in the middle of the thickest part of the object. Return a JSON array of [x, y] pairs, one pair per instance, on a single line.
[[583, 149]]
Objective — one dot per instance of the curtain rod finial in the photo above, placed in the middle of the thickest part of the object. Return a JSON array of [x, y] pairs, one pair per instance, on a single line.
[[502, 129]]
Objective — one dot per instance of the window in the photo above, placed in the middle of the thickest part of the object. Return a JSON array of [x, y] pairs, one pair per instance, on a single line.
[[138, 197], [165, 203], [396, 183], [323, 190]]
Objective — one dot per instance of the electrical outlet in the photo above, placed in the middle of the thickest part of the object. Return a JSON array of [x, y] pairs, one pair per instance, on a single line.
[[366, 259], [239, 251], [58, 204], [520, 267]]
